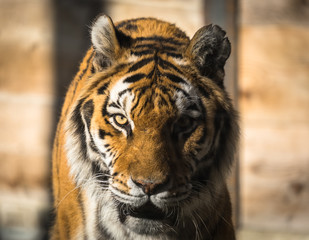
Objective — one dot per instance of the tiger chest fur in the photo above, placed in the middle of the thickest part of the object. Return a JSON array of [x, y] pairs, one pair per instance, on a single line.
[[146, 136]]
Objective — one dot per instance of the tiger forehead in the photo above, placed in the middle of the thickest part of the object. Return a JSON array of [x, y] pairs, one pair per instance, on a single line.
[[149, 27], [151, 82], [147, 98]]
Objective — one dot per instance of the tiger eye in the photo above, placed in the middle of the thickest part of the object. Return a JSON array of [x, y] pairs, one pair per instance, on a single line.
[[184, 122], [120, 119]]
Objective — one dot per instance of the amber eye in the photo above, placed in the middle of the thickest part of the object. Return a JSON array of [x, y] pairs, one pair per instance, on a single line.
[[184, 124], [120, 120]]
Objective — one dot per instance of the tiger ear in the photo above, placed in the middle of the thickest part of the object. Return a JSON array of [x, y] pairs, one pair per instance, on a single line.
[[209, 49], [105, 42]]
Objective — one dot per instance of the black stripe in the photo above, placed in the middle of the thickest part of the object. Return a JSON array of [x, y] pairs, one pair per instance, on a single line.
[[75, 83], [104, 234], [203, 91], [76, 118], [102, 89], [107, 76], [114, 105], [170, 49], [162, 100], [140, 64], [136, 104], [57, 143], [103, 133], [161, 39], [142, 91], [175, 78], [99, 174], [182, 91], [81, 204], [134, 78], [93, 146], [149, 45], [165, 92], [143, 107], [165, 64], [106, 121], [142, 52], [86, 68], [104, 109], [163, 48], [113, 162], [88, 109], [151, 74], [132, 21], [164, 89], [174, 55], [124, 91], [208, 156], [131, 27]]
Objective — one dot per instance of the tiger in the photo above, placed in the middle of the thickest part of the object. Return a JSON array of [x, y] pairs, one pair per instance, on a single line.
[[146, 137]]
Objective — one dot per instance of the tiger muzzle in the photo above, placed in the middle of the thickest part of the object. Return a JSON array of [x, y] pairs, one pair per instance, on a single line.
[[150, 187]]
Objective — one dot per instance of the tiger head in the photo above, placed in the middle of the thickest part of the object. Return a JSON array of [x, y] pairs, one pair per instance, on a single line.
[[153, 132]]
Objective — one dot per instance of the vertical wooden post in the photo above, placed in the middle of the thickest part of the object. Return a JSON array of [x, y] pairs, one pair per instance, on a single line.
[[224, 13]]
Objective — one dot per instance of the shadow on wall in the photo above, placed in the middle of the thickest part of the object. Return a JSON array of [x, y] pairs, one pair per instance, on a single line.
[[72, 22]]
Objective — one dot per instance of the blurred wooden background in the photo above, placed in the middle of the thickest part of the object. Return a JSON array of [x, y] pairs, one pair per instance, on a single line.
[[43, 41]]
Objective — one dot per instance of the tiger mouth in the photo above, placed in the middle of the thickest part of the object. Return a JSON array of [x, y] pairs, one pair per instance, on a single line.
[[147, 211]]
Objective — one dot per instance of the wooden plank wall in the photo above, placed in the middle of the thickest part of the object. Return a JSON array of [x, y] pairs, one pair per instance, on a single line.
[[274, 105]]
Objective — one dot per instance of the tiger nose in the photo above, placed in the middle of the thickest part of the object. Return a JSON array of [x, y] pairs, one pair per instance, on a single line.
[[149, 187]]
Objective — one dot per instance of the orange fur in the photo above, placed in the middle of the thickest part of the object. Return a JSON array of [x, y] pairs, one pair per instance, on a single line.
[[167, 65]]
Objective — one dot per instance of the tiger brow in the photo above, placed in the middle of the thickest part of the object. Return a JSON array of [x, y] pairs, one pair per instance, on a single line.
[[140, 64], [134, 78], [174, 78], [114, 105], [160, 39], [154, 46], [166, 64]]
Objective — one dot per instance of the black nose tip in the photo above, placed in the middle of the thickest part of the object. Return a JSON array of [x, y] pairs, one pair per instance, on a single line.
[[149, 187]]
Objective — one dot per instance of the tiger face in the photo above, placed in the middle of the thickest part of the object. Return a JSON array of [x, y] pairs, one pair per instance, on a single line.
[[152, 134]]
